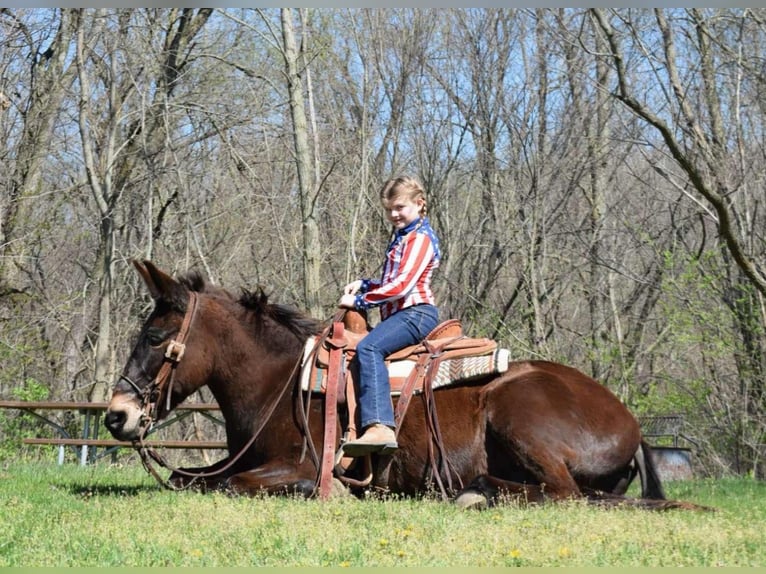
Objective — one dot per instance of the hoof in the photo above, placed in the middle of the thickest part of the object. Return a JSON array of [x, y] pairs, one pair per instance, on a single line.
[[471, 500]]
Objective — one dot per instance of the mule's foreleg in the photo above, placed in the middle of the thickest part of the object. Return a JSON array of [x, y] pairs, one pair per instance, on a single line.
[[244, 483], [277, 478], [202, 479]]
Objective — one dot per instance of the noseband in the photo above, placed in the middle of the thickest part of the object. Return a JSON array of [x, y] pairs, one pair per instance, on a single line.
[[151, 396]]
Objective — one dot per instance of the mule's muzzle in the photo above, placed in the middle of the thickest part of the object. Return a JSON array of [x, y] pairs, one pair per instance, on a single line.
[[125, 418]]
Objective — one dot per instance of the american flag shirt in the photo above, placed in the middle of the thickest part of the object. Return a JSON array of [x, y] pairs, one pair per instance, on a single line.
[[411, 259]]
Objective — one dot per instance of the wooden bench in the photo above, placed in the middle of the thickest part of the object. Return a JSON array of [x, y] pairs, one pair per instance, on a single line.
[[89, 442]]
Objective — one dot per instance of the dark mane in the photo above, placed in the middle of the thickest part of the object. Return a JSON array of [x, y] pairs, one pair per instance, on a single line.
[[193, 281], [297, 322]]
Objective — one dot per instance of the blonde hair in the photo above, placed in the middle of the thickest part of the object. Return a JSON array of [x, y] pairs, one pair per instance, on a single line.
[[404, 186]]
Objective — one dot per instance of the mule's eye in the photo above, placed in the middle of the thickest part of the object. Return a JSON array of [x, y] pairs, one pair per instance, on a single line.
[[155, 337]]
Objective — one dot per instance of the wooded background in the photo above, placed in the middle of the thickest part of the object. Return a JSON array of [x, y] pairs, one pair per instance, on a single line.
[[596, 177]]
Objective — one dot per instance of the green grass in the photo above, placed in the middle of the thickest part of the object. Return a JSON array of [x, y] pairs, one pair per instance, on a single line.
[[117, 516]]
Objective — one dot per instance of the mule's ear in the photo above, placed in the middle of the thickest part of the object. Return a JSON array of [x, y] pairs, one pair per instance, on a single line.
[[162, 286], [143, 271]]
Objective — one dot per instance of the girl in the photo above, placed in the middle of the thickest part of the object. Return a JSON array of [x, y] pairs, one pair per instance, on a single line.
[[407, 309]]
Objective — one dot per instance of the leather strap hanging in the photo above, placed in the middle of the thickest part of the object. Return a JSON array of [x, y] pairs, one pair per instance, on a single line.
[[335, 371], [425, 368]]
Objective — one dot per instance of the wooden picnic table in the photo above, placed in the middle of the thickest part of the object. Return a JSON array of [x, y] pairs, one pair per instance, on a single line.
[[88, 442]]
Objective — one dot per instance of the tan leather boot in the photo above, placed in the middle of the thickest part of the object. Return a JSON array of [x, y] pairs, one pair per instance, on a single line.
[[376, 438]]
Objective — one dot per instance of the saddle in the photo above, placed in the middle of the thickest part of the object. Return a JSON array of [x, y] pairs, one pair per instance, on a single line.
[[444, 357], [446, 342]]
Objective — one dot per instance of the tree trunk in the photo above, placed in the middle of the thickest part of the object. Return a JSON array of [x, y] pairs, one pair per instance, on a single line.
[[311, 258]]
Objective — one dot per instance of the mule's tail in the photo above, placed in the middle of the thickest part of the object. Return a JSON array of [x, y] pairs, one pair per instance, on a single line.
[[651, 486]]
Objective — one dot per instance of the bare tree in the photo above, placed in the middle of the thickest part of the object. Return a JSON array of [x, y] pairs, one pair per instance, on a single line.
[[702, 151], [702, 134], [295, 67], [50, 74], [109, 149], [475, 76]]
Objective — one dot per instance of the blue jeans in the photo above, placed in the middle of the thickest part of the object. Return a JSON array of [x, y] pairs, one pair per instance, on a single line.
[[406, 327]]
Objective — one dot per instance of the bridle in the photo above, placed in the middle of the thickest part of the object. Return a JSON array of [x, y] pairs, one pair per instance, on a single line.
[[160, 390], [151, 397]]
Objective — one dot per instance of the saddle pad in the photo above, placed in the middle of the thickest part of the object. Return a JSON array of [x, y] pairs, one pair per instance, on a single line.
[[449, 371]]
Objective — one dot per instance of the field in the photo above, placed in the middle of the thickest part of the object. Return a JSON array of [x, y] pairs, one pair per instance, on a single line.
[[117, 516]]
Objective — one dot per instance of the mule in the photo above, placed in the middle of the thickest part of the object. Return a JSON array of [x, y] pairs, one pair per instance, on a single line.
[[538, 431]]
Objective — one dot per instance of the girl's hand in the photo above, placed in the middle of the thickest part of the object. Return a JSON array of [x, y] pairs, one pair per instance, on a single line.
[[352, 288], [347, 301]]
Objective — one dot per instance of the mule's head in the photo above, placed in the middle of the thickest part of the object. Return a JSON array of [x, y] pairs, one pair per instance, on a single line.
[[164, 367]]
